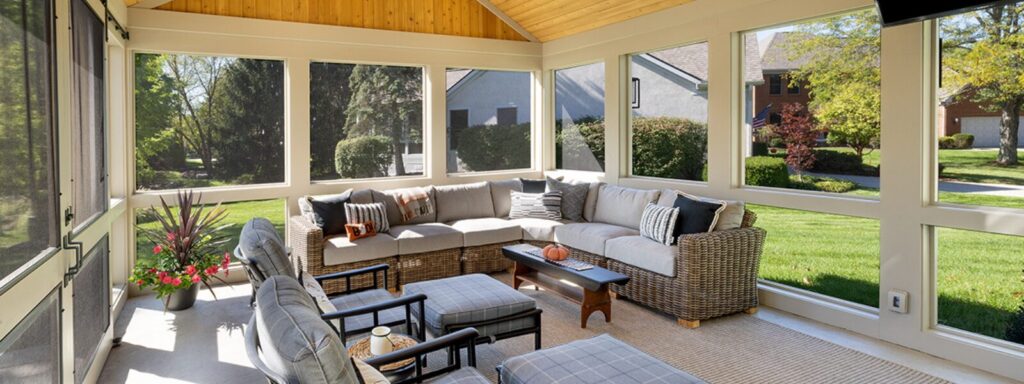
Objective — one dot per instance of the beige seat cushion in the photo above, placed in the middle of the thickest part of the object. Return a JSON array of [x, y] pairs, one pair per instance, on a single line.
[[622, 206], [643, 253], [463, 201], [590, 237], [338, 250], [421, 238], [538, 229], [487, 231]]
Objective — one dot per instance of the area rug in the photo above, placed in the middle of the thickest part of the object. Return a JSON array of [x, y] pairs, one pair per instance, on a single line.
[[733, 349]]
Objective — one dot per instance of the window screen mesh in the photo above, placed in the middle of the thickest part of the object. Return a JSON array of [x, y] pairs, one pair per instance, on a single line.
[[92, 306], [31, 352]]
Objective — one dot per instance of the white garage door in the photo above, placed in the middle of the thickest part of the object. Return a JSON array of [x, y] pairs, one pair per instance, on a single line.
[[986, 131]]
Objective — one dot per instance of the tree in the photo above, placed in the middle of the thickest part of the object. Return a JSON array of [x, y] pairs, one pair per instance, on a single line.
[[363, 157], [156, 144], [248, 131], [195, 81], [494, 147], [800, 134], [329, 96], [386, 101], [983, 56], [841, 56]]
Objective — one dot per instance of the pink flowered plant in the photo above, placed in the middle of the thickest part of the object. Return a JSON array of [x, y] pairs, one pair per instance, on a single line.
[[187, 249]]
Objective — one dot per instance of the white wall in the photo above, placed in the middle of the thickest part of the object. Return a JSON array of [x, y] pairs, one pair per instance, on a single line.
[[486, 91], [665, 94]]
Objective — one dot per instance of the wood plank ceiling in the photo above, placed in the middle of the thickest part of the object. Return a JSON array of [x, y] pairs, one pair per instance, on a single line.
[[538, 20]]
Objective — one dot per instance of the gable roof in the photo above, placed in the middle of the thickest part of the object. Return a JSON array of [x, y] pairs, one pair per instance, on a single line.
[[693, 59], [775, 55]]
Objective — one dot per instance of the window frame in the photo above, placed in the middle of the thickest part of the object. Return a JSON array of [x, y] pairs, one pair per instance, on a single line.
[[552, 120]]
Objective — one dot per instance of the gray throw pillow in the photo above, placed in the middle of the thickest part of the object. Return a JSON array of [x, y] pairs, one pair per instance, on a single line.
[[574, 197]]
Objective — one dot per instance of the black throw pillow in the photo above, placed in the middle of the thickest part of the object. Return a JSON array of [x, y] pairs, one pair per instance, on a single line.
[[534, 185], [330, 213], [695, 216]]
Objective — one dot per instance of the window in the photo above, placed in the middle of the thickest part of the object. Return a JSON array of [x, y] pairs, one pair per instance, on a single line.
[[508, 116], [579, 118], [207, 121], [92, 307], [827, 139], [88, 112], [670, 131], [28, 221], [774, 84], [832, 255], [979, 108], [238, 213], [366, 121], [979, 283], [482, 137]]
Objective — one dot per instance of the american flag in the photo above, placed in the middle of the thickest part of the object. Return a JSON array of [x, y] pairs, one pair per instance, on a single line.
[[761, 118]]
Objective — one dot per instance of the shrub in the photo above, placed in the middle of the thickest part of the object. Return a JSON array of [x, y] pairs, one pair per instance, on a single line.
[[947, 142], [759, 149], [963, 140], [767, 172], [777, 142], [493, 147], [1015, 329], [669, 147], [800, 134], [363, 156], [829, 161], [592, 131], [823, 184]]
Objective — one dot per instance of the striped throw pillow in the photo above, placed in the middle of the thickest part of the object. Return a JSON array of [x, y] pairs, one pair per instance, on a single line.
[[658, 222], [547, 205], [362, 213]]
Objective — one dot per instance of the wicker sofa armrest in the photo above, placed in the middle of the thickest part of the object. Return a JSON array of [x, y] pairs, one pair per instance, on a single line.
[[307, 243], [719, 270]]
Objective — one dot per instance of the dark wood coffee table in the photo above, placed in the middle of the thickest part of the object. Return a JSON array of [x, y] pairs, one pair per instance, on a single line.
[[589, 287]]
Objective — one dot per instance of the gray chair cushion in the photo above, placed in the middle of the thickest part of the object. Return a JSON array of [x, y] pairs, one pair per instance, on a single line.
[[262, 245], [429, 237], [359, 299], [590, 237], [501, 194], [463, 201], [295, 342], [466, 375], [601, 359], [470, 298]]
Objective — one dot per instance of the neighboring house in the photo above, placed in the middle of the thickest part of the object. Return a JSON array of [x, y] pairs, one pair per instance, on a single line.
[[957, 113], [776, 90]]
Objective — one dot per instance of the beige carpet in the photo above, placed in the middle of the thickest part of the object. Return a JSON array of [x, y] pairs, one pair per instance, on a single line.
[[206, 345]]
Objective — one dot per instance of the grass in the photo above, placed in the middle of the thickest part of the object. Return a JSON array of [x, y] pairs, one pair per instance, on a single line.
[[979, 274], [237, 215], [968, 165]]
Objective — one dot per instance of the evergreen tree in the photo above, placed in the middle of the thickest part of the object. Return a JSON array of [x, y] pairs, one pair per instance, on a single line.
[[386, 101], [249, 126], [329, 97]]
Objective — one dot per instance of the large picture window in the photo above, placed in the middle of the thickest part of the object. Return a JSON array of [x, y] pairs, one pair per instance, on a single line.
[[489, 120], [28, 223], [206, 121], [979, 106], [88, 110], [579, 118], [670, 112], [823, 131], [366, 121]]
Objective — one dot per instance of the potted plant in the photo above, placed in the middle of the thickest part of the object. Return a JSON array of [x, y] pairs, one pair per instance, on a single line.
[[187, 251]]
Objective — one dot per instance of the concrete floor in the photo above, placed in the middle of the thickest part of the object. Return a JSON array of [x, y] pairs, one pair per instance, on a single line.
[[205, 344]]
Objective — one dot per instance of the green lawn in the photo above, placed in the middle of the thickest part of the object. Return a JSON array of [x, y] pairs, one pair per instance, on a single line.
[[237, 215], [979, 275], [969, 165]]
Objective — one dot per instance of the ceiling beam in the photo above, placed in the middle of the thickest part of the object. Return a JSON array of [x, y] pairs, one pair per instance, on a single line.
[[146, 4], [508, 20]]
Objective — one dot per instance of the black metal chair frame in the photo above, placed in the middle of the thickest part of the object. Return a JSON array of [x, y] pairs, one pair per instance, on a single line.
[[456, 340], [535, 330]]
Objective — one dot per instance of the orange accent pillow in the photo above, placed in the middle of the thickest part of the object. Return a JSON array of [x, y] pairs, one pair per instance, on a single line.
[[360, 230]]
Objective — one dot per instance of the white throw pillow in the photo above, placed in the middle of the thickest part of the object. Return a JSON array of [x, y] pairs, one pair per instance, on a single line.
[[362, 213], [658, 223], [545, 205]]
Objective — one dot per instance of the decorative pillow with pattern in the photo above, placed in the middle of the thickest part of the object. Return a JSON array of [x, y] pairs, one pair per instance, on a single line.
[[658, 223], [547, 205], [364, 213], [574, 197]]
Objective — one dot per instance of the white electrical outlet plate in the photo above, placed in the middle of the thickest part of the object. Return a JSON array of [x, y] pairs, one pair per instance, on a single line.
[[898, 301]]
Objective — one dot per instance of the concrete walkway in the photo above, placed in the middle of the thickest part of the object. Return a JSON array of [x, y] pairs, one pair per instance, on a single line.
[[944, 186]]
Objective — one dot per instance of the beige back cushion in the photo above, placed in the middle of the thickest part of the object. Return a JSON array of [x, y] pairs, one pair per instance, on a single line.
[[730, 218], [501, 194], [463, 201], [622, 206]]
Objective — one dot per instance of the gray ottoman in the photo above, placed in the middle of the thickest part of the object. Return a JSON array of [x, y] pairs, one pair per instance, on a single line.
[[496, 310], [601, 359]]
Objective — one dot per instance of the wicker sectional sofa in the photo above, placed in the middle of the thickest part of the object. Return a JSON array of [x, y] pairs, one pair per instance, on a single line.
[[703, 276]]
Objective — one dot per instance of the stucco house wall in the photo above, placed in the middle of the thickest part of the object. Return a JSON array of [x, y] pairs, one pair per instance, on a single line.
[[665, 92], [483, 92]]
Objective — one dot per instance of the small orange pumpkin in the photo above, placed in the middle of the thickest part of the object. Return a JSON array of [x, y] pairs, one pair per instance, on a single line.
[[555, 252]]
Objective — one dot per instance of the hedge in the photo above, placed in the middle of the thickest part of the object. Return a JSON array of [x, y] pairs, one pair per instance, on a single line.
[[495, 147], [363, 156], [957, 141], [767, 171], [669, 147], [845, 163], [592, 130]]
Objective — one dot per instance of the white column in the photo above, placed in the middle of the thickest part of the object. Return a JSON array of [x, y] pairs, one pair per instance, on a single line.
[[296, 132]]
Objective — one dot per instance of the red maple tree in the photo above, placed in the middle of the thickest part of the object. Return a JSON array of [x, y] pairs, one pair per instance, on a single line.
[[800, 134]]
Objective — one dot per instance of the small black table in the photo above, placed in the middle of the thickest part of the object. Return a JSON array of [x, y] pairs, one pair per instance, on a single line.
[[551, 276]]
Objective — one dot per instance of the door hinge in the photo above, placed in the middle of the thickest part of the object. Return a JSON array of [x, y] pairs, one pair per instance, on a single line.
[[68, 216]]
